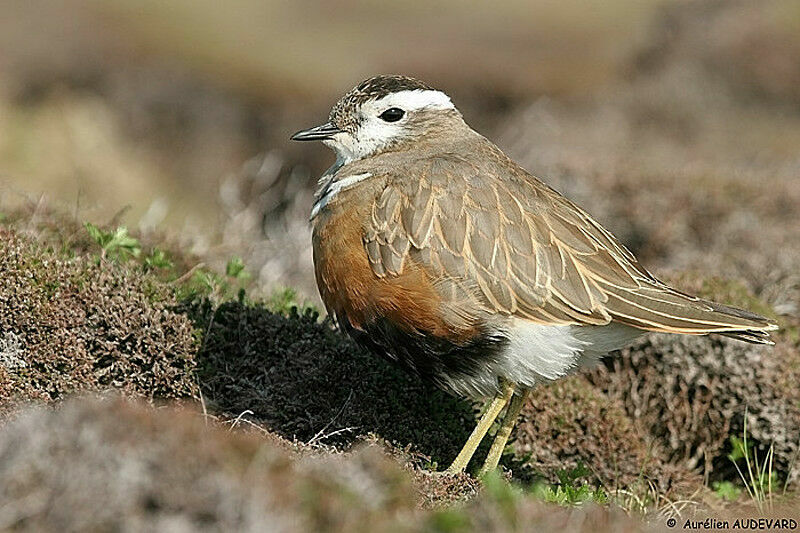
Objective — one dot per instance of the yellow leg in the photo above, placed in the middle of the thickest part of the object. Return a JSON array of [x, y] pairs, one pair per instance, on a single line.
[[500, 440], [492, 411]]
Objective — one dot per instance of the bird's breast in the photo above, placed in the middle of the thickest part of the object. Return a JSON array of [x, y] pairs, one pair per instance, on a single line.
[[352, 291], [396, 316]]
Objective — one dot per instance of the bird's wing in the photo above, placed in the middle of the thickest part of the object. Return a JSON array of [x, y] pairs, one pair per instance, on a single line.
[[511, 245]]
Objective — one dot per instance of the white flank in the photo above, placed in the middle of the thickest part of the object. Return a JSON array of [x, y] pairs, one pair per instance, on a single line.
[[334, 188], [604, 339], [535, 354], [538, 353]]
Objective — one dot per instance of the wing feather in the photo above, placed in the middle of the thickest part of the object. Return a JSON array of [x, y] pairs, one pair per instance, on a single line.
[[508, 244]]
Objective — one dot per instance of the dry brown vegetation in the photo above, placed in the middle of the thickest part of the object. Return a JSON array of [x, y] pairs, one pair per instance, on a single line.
[[110, 465], [684, 140], [72, 324]]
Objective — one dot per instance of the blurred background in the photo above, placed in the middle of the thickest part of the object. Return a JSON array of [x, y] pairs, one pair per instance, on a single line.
[[676, 124]]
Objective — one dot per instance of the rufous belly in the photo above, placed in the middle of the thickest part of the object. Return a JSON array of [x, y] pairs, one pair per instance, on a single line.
[[351, 290]]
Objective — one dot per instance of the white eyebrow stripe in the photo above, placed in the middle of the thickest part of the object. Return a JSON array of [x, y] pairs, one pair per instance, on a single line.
[[334, 188], [417, 99]]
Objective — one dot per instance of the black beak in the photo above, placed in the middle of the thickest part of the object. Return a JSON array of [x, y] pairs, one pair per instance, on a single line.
[[320, 133]]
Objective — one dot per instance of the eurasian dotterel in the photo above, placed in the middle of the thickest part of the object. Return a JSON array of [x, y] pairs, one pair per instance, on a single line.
[[435, 249]]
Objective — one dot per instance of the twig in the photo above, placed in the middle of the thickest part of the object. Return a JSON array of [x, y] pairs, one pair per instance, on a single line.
[[188, 274], [114, 222], [319, 438], [320, 434], [236, 421], [202, 400]]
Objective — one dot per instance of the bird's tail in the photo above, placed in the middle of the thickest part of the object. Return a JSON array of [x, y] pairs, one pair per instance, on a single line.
[[757, 334], [668, 310]]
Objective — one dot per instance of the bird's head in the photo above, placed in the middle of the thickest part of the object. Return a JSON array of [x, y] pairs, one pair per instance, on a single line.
[[384, 113]]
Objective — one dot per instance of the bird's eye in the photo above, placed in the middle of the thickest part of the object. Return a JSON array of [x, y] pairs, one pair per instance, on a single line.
[[393, 114]]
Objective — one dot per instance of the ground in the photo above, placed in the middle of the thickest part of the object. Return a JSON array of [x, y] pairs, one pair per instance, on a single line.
[[162, 376]]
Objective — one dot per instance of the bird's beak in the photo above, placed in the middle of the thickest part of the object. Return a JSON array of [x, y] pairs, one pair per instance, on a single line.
[[319, 133]]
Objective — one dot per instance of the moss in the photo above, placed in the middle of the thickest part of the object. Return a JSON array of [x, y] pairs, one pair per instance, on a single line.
[[736, 293], [83, 325], [283, 299], [572, 423], [63, 235], [110, 465], [72, 322], [117, 325], [691, 394], [303, 380]]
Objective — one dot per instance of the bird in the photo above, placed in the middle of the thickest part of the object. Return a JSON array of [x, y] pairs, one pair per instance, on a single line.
[[435, 249]]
